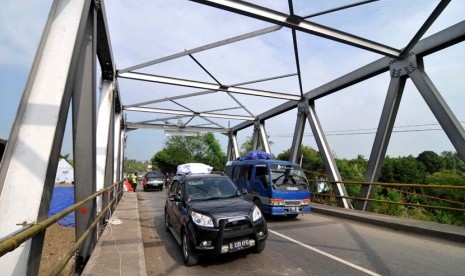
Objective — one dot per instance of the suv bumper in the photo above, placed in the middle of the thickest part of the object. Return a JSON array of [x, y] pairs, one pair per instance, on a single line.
[[228, 237]]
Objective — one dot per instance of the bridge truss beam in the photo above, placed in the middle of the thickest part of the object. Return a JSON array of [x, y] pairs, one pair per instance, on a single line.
[[63, 70]]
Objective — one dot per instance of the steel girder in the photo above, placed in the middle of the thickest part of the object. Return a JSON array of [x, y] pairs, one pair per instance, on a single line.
[[104, 137], [427, 46], [67, 53], [260, 137], [232, 150], [298, 131], [84, 142], [383, 134], [332, 172], [299, 23], [446, 118], [33, 148]]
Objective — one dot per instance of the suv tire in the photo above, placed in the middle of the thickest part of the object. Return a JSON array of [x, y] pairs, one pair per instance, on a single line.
[[189, 257], [167, 223], [259, 247]]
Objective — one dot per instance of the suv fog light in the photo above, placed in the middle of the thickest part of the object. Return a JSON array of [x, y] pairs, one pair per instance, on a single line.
[[206, 243], [260, 234], [224, 249]]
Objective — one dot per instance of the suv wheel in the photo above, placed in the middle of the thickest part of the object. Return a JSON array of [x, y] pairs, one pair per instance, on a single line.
[[167, 223], [189, 257], [259, 247]]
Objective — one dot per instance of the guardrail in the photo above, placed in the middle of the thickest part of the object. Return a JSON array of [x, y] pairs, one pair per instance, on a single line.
[[12, 241], [326, 197]]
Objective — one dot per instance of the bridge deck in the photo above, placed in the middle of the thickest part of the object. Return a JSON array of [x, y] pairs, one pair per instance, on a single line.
[[121, 244]]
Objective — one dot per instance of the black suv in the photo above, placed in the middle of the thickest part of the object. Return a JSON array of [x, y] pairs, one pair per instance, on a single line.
[[208, 216]]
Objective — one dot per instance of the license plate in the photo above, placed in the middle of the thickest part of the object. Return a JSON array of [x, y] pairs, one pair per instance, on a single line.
[[293, 208], [238, 245]]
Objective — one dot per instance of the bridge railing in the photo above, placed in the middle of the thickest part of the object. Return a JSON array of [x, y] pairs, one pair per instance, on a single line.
[[328, 197], [14, 240]]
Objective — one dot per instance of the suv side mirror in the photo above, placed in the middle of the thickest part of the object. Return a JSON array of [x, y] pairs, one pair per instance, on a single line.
[[175, 197]]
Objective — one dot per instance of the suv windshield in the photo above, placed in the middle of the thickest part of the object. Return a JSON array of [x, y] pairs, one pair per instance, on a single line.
[[281, 174], [210, 188]]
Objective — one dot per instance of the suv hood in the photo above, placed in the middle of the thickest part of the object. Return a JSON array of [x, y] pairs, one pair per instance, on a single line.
[[221, 208]]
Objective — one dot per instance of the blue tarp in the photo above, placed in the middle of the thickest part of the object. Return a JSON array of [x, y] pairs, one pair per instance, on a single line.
[[62, 198], [255, 155]]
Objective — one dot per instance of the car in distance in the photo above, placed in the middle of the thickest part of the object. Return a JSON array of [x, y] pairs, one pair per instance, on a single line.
[[207, 215], [153, 180]]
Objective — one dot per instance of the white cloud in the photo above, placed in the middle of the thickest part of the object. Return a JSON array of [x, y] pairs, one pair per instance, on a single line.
[[144, 30], [21, 27]]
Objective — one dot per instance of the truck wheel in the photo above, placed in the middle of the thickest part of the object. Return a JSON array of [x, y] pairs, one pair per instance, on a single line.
[[189, 257]]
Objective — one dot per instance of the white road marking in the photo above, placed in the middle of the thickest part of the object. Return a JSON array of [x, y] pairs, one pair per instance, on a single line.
[[369, 272]]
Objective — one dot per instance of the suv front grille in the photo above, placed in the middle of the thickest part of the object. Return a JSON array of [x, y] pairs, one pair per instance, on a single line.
[[237, 228]]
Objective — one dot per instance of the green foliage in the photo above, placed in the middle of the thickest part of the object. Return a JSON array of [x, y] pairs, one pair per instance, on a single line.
[[68, 159], [403, 170], [428, 168], [248, 145], [352, 170], [389, 209], [311, 160], [189, 149], [132, 166], [431, 160], [451, 161]]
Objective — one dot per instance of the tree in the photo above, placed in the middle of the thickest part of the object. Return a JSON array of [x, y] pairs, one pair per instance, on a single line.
[[452, 161], [132, 166], [247, 145], [403, 170], [311, 159], [431, 160], [353, 169], [68, 159], [178, 150]]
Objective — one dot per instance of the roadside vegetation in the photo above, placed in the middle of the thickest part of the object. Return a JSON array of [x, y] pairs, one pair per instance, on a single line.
[[427, 168]]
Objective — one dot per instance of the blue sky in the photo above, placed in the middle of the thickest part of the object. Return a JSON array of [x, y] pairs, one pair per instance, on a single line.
[[144, 30]]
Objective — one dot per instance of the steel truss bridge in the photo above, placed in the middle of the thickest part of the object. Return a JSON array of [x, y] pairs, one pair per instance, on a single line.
[[76, 39]]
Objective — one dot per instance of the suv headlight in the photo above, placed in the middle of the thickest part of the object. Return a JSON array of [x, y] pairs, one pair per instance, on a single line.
[[256, 214], [201, 220]]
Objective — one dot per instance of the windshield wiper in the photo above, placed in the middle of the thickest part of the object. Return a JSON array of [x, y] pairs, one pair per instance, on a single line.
[[213, 198]]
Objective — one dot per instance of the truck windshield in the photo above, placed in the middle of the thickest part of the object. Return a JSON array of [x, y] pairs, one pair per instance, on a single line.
[[287, 175]]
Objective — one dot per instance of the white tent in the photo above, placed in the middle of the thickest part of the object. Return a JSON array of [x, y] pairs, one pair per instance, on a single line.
[[65, 172]]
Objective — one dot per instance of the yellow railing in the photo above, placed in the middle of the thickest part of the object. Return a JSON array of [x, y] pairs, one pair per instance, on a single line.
[[11, 242], [326, 197]]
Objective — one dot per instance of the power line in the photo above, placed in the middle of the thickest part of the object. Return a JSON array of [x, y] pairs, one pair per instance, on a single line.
[[368, 131]]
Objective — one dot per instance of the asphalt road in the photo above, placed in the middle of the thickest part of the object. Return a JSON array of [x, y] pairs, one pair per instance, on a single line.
[[309, 245]]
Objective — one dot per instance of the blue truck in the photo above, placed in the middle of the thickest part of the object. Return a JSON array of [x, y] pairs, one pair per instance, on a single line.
[[278, 188]]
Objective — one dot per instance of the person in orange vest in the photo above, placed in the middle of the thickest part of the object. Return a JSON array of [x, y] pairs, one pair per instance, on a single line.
[[133, 179]]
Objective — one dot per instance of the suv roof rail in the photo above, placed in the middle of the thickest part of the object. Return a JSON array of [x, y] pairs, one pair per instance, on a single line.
[[212, 172], [218, 172]]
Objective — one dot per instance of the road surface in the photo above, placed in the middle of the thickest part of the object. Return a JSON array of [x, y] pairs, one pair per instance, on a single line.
[[309, 245]]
